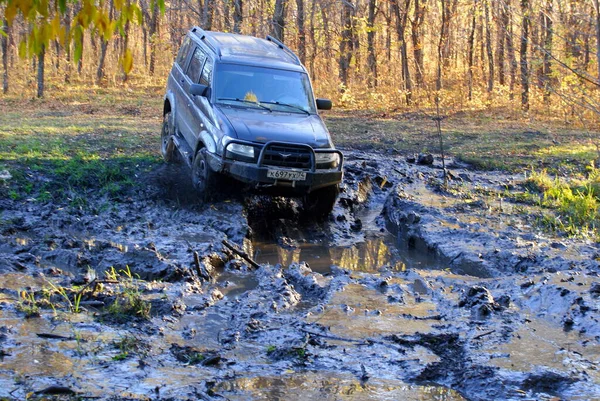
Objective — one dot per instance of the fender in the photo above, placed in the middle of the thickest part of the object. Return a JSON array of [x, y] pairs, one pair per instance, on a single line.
[[170, 97], [205, 139]]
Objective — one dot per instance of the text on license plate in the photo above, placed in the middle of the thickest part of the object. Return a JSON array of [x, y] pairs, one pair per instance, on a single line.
[[287, 175]]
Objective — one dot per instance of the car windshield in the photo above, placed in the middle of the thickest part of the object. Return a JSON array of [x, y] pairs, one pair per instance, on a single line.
[[277, 90]]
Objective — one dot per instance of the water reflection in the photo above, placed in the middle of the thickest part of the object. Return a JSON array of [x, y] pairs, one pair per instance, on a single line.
[[324, 385], [367, 256]]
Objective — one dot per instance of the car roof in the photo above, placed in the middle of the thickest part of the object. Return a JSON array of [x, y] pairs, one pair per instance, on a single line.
[[243, 49]]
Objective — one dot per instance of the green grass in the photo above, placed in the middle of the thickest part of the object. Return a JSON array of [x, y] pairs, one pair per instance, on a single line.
[[79, 144], [574, 202]]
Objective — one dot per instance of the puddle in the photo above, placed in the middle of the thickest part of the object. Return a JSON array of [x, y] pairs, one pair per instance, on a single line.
[[359, 312], [325, 385], [367, 256], [555, 349]]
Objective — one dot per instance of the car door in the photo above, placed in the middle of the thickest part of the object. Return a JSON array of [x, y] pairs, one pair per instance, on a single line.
[[188, 124], [177, 78], [202, 112]]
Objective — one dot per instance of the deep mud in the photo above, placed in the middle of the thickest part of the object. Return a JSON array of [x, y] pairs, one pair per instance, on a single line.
[[408, 291]]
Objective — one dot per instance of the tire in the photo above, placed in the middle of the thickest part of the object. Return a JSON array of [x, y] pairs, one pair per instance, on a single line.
[[204, 179], [168, 149], [319, 203]]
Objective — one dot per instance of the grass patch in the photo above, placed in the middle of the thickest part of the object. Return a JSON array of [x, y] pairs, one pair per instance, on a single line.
[[574, 200], [128, 301], [78, 144]]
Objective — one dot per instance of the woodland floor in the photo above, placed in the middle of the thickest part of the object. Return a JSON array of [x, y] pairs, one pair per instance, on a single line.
[[115, 282]]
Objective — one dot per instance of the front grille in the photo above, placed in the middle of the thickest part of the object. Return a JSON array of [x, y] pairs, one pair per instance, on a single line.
[[287, 156]]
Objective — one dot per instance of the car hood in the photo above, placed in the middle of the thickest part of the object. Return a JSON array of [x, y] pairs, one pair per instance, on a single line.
[[264, 126]]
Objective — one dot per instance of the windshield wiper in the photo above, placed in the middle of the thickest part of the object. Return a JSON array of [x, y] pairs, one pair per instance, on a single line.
[[232, 99], [293, 106]]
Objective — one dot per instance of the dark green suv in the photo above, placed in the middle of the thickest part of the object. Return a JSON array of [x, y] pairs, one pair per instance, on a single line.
[[243, 107]]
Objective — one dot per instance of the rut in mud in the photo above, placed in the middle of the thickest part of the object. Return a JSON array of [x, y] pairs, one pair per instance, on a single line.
[[407, 292]]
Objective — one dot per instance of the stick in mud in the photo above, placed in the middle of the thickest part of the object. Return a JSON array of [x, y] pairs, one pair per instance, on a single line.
[[241, 254]]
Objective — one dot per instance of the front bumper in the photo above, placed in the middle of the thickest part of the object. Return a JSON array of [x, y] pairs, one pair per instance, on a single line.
[[255, 174]]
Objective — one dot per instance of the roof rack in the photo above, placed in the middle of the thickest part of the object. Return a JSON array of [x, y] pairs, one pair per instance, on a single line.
[[202, 34], [284, 48]]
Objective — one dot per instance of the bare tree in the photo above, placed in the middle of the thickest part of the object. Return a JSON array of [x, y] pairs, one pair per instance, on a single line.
[[547, 32], [372, 56], [488, 47], [417, 39], [301, 30], [597, 20], [278, 21], [448, 9], [401, 14], [471, 48], [238, 16], [40, 71], [346, 42], [4, 46], [523, 54]]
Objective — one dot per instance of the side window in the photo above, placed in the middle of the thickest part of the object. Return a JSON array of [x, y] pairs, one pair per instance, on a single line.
[[196, 65], [207, 73], [183, 52]]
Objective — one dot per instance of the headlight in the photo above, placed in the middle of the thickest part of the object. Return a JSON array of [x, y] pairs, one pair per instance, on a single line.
[[242, 150], [331, 159]]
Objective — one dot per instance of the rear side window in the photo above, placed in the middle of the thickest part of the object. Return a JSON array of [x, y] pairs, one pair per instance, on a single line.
[[196, 65], [207, 73], [183, 52]]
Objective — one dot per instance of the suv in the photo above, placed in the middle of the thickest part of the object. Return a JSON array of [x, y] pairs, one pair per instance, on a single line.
[[243, 107]]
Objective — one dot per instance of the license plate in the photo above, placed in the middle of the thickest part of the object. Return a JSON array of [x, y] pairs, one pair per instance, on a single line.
[[287, 175]]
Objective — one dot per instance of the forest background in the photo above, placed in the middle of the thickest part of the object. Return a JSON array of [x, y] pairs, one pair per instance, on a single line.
[[379, 54]]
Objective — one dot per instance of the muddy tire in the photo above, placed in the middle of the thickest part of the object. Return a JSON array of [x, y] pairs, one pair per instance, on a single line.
[[168, 149], [205, 180], [319, 203]]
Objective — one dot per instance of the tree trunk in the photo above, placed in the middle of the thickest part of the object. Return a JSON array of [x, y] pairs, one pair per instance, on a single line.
[[154, 33], [442, 43], [4, 45], [301, 31], [401, 21], [510, 49], [68, 46], [471, 48], [417, 39], [488, 47], [238, 16], [278, 21], [313, 41], [40, 72], [346, 44], [372, 56], [327, 34], [207, 14], [523, 54], [597, 20], [547, 26], [501, 40], [126, 42]]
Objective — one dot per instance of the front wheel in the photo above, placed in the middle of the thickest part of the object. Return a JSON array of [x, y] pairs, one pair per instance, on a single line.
[[167, 146], [320, 203], [203, 178]]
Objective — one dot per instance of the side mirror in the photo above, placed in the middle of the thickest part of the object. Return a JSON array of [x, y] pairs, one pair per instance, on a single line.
[[324, 104], [198, 90]]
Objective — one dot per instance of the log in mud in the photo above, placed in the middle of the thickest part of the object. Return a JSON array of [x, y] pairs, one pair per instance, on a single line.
[[410, 290]]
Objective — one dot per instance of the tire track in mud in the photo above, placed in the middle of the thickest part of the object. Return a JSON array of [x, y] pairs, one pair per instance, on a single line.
[[452, 307]]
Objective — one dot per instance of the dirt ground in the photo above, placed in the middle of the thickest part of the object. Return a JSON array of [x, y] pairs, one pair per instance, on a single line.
[[410, 290]]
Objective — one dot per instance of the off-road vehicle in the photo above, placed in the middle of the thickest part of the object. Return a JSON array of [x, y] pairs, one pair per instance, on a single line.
[[243, 107]]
